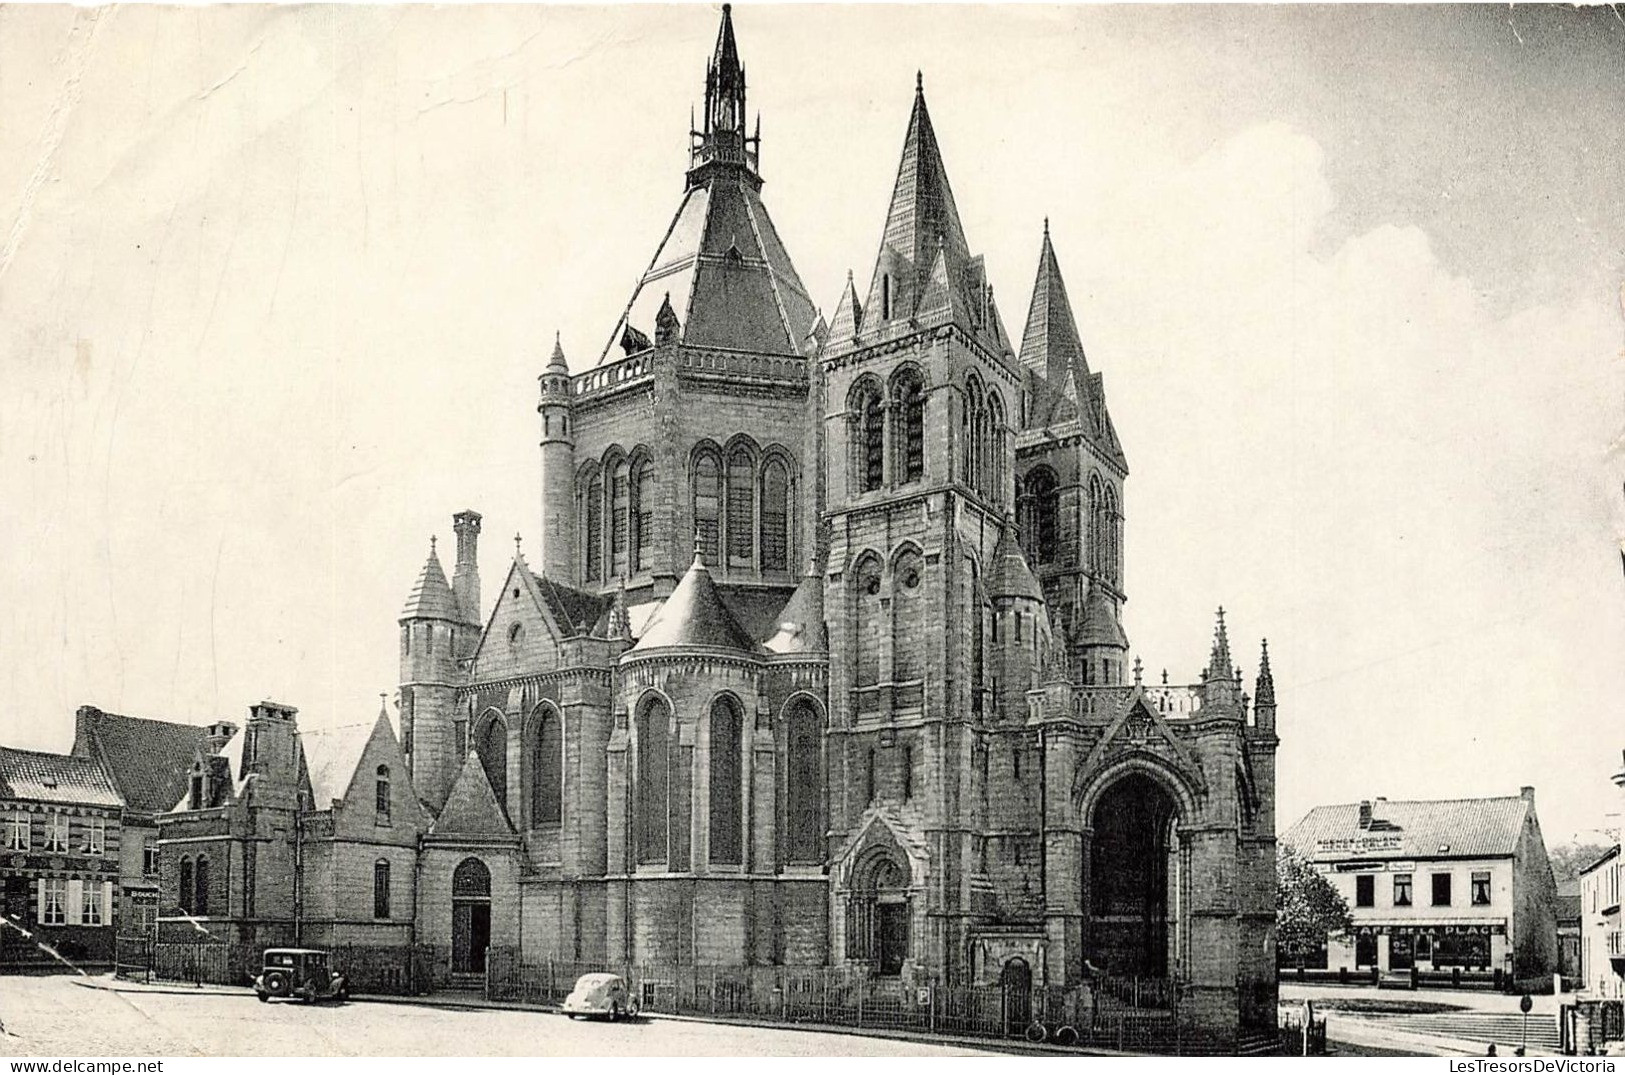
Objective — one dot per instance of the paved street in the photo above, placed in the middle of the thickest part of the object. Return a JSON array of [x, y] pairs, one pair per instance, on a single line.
[[53, 1016]]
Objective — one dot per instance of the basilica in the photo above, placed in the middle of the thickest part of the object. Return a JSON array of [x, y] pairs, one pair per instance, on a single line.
[[818, 661]]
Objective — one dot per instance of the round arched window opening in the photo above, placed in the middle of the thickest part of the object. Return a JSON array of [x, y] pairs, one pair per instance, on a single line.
[[911, 578], [871, 585]]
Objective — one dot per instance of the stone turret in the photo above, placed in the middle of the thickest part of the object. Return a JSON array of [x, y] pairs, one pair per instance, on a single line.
[[429, 679], [558, 471]]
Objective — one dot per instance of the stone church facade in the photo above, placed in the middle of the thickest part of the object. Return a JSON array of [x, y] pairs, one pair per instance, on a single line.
[[818, 661]]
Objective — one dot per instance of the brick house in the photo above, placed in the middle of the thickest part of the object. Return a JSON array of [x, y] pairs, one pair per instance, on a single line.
[[59, 859]]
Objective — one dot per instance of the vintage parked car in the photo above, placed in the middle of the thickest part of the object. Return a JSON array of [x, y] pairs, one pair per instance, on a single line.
[[600, 994], [300, 973]]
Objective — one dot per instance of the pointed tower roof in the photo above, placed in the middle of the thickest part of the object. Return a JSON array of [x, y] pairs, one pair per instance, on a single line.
[[1100, 626], [556, 363], [801, 623], [431, 597], [1050, 345], [471, 808], [694, 615], [848, 321], [721, 267], [1009, 575], [924, 270], [1264, 689], [1219, 665]]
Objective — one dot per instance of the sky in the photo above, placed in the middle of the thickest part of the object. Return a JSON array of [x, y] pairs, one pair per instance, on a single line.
[[276, 284]]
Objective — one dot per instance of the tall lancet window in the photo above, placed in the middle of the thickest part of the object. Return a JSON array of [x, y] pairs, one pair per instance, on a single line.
[[908, 402], [868, 410], [775, 516], [804, 799], [1043, 509], [868, 622], [593, 512], [643, 513], [620, 494], [726, 733], [547, 767], [995, 447], [741, 507], [653, 731], [708, 504]]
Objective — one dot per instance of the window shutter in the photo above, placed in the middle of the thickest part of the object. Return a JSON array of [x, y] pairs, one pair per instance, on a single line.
[[39, 900], [76, 896], [107, 903]]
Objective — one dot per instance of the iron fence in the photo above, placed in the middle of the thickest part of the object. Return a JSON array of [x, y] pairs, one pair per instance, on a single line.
[[1137, 1015]]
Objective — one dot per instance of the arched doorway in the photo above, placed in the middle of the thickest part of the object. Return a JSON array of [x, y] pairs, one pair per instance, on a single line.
[[1016, 981], [878, 915], [1133, 877], [470, 916]]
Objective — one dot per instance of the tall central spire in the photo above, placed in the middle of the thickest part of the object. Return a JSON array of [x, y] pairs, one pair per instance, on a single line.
[[722, 139]]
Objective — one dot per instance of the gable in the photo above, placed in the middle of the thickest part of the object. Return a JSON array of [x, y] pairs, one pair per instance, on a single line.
[[504, 652], [359, 817]]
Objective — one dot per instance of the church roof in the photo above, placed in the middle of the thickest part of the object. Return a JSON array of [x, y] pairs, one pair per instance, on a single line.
[[1010, 576], [1100, 626], [695, 615], [431, 597], [925, 271], [332, 754], [148, 760], [721, 267], [801, 623], [471, 808], [55, 778], [577, 611]]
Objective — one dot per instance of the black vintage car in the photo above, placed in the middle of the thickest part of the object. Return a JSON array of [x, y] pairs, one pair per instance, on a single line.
[[299, 973]]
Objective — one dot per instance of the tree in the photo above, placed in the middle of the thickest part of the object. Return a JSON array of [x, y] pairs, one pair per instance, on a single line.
[[1308, 908], [1569, 859]]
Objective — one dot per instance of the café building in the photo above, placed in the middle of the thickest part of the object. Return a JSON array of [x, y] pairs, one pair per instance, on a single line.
[[1458, 886]]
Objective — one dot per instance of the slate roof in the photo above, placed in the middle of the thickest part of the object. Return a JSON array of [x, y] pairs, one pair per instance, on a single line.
[[800, 626], [1451, 828], [1010, 576], [331, 755], [1050, 344], [148, 760], [431, 596], [1100, 626], [1568, 902], [695, 615], [577, 611], [55, 778], [471, 807]]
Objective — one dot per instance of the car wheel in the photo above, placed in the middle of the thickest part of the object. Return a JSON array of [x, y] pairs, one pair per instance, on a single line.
[[277, 983], [615, 1014]]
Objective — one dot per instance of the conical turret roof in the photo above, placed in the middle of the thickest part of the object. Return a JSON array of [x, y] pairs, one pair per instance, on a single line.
[[1100, 626], [694, 615], [471, 808], [431, 597], [1050, 345], [1010, 576], [801, 624]]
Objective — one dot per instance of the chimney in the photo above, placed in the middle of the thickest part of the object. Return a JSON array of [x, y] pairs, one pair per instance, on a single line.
[[1365, 813], [1526, 793], [219, 734], [84, 723], [465, 577]]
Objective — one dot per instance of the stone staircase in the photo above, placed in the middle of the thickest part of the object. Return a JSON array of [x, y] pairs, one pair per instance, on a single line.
[[466, 983], [1504, 1029]]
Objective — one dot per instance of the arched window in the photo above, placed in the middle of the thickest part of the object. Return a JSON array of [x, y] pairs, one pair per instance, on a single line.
[[380, 889], [620, 504], [908, 402], [741, 507], [471, 880], [1113, 530], [885, 297], [1097, 526], [908, 773], [492, 747], [380, 795], [972, 417], [775, 516], [547, 768], [908, 628], [804, 799], [995, 447], [868, 438], [643, 514], [653, 732], [868, 627], [727, 791], [185, 891], [869, 777], [978, 617], [1043, 511], [200, 902], [592, 504], [708, 504]]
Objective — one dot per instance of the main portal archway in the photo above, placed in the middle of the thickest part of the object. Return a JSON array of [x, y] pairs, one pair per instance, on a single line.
[[1133, 879], [470, 916]]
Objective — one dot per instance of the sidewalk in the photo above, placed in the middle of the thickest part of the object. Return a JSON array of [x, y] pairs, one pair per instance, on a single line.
[[474, 1002]]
